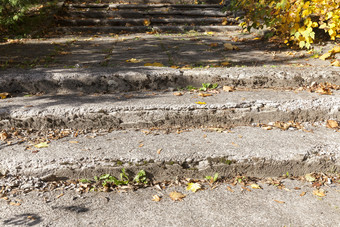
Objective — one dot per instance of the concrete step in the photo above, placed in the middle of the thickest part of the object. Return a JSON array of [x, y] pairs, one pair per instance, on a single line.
[[241, 151], [142, 14], [141, 21], [148, 1], [166, 110], [89, 30], [141, 6], [108, 80]]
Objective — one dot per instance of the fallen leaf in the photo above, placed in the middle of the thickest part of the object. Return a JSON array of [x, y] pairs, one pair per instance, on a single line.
[[323, 91], [134, 60], [146, 22], [4, 95], [255, 186], [325, 56], [228, 89], [302, 194], [309, 177], [159, 151], [320, 193], [60, 195], [156, 198], [213, 44], [200, 103], [204, 95], [335, 50], [257, 38], [3, 136], [336, 63], [229, 46], [332, 124], [225, 63], [209, 33], [267, 127], [177, 196], [229, 189], [14, 204], [178, 94], [278, 201], [193, 187], [155, 64], [41, 145], [72, 141], [234, 144], [141, 145], [245, 188]]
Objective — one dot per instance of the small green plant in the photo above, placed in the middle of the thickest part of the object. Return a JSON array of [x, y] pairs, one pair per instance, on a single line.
[[84, 181], [141, 177], [109, 179], [190, 88], [212, 179], [206, 86]]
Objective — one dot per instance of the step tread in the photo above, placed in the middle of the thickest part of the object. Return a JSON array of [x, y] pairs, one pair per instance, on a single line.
[[294, 151]]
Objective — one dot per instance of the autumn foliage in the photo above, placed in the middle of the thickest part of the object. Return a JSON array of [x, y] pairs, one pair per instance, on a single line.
[[297, 22]]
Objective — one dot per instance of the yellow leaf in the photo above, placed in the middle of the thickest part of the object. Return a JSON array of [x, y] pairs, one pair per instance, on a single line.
[[200, 103], [257, 38], [4, 95], [146, 22], [255, 186], [325, 56], [229, 46], [336, 63], [323, 91], [41, 145], [155, 64], [177, 196], [320, 193], [134, 60], [335, 50], [210, 33], [332, 124], [225, 63], [309, 177], [156, 198], [228, 89], [193, 187]]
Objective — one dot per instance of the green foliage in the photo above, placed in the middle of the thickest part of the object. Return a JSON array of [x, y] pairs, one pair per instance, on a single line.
[[296, 22], [206, 86], [212, 179], [141, 177]]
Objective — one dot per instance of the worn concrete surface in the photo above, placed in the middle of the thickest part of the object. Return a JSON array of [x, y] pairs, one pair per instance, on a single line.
[[251, 151], [217, 207], [164, 109]]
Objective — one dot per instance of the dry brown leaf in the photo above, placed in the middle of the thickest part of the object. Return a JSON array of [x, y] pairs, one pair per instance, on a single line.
[[332, 124], [323, 91], [177, 196], [245, 188], [229, 189], [228, 89], [234, 144], [278, 201], [60, 195], [73, 141], [141, 145], [204, 95], [3, 136], [178, 94], [14, 204], [229, 46], [159, 151], [156, 198], [267, 127], [225, 63], [302, 194], [213, 44]]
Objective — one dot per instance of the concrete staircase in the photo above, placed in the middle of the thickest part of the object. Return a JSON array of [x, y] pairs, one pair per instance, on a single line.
[[105, 17]]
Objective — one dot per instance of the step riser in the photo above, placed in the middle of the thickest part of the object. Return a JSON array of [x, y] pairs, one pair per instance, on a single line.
[[140, 22], [152, 1], [144, 7], [163, 118], [129, 14]]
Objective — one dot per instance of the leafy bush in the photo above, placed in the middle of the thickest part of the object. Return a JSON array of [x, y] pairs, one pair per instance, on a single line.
[[297, 22]]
